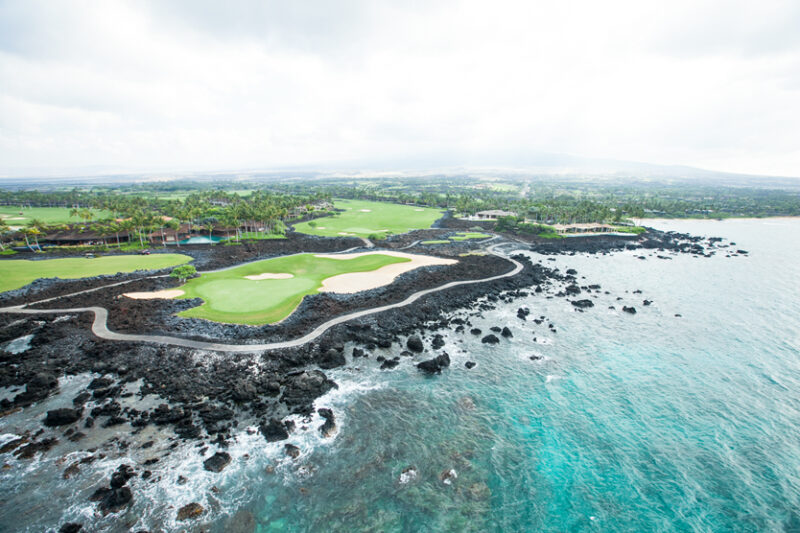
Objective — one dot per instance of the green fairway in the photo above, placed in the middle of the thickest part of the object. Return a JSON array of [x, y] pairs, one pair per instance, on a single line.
[[16, 273], [48, 215], [232, 298], [362, 218], [436, 241], [463, 236]]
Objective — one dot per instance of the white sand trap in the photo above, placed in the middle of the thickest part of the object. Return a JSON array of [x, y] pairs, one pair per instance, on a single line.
[[321, 227], [366, 210], [269, 275], [163, 295], [419, 210], [363, 281]]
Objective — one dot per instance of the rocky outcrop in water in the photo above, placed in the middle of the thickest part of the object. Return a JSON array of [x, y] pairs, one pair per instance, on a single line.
[[435, 365], [61, 417], [217, 462], [114, 498]]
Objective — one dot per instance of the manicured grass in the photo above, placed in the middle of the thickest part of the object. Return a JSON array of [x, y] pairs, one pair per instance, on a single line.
[[435, 242], [232, 298], [16, 273], [463, 236], [258, 236], [362, 218], [48, 215], [636, 230]]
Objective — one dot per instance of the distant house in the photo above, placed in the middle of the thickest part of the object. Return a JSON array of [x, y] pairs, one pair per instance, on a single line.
[[584, 228], [171, 236], [79, 236], [493, 214]]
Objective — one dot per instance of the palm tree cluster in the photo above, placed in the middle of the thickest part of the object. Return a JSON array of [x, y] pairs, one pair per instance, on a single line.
[[140, 218]]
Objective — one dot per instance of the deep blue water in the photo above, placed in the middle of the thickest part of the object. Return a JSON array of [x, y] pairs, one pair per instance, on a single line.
[[648, 422]]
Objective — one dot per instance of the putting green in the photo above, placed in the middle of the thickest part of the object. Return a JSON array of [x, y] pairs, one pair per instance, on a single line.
[[16, 273], [362, 218], [230, 297]]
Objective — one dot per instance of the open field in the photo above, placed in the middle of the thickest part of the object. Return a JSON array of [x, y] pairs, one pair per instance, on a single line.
[[16, 273], [48, 215], [362, 218], [232, 298]]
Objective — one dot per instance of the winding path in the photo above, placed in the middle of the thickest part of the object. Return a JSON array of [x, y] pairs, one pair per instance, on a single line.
[[100, 324]]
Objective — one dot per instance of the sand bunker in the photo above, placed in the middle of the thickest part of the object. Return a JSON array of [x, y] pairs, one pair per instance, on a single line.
[[366, 210], [163, 295], [269, 275], [363, 281]]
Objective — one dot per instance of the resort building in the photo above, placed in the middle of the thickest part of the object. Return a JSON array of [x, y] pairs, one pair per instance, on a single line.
[[584, 228], [493, 214]]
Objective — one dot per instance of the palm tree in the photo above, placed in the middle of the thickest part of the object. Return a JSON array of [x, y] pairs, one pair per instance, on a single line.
[[86, 214], [114, 227], [209, 226], [34, 232]]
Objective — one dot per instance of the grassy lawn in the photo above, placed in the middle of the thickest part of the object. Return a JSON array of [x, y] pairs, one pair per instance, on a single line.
[[362, 218], [48, 215], [636, 230], [232, 298], [435, 242], [16, 273], [463, 236], [259, 236]]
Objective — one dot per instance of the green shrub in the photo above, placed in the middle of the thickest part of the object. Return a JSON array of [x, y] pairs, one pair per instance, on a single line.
[[183, 272]]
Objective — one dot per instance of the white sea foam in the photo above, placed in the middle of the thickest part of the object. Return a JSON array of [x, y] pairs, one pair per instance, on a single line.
[[19, 345]]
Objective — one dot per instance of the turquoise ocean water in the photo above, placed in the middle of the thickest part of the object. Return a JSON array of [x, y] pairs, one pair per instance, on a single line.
[[629, 423]]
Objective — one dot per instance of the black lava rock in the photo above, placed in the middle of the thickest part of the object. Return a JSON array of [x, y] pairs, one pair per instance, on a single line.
[[329, 426], [631, 310], [490, 339], [470, 364], [121, 476], [414, 344], [62, 417], [583, 304], [274, 430], [331, 359], [217, 462], [435, 365], [506, 333]]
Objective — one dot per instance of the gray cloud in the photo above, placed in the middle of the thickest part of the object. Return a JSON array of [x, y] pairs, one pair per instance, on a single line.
[[202, 84]]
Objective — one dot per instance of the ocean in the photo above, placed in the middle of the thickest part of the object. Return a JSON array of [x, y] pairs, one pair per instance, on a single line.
[[682, 417]]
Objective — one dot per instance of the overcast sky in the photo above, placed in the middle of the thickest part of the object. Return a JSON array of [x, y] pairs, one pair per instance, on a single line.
[[232, 85]]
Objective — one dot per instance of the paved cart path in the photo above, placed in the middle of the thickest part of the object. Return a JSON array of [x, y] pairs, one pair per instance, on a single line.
[[100, 324]]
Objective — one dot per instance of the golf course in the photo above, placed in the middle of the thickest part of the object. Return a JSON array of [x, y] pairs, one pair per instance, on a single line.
[[268, 291], [16, 273], [362, 218], [48, 215]]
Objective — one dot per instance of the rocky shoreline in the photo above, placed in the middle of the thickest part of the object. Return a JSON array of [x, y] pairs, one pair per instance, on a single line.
[[207, 397]]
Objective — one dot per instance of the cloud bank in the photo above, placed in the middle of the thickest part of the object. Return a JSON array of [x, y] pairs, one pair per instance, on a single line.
[[263, 84]]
